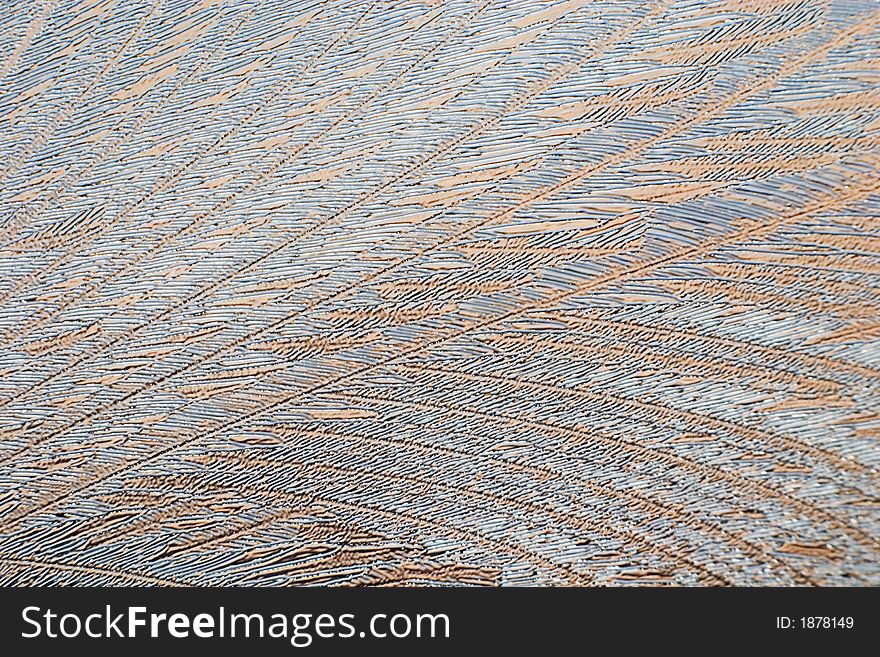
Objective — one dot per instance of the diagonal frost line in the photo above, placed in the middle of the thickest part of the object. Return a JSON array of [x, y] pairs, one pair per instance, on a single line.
[[168, 182], [115, 143], [289, 156], [564, 519], [842, 37], [517, 102], [630, 498], [570, 180], [31, 31], [43, 136]]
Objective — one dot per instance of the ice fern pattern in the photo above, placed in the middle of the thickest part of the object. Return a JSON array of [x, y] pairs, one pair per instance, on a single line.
[[421, 292]]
